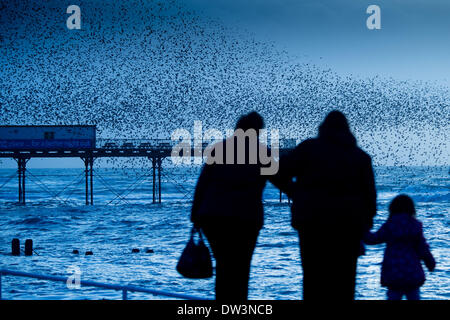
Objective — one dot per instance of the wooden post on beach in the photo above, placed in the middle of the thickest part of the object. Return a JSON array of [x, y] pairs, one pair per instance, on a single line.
[[28, 247], [15, 247]]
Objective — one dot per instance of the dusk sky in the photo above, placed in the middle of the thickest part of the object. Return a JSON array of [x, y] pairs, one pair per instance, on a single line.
[[413, 43]]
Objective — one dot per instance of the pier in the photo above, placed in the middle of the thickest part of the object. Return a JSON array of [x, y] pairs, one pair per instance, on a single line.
[[156, 150]]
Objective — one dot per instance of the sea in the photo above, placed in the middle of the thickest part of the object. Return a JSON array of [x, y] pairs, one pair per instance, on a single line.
[[124, 218]]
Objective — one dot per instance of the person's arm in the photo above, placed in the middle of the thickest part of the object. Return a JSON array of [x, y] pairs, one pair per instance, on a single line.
[[376, 237], [287, 167], [425, 253], [283, 178], [202, 185], [370, 195]]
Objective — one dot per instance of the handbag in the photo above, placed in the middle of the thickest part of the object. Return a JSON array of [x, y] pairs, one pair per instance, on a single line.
[[195, 260]]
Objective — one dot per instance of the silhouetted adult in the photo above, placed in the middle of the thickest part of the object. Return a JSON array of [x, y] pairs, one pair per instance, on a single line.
[[228, 208], [334, 200]]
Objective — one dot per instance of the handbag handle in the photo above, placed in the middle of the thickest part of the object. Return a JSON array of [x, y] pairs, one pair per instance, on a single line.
[[196, 230]]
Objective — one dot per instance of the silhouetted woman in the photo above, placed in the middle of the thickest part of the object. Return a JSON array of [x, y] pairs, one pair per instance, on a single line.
[[334, 201], [228, 208]]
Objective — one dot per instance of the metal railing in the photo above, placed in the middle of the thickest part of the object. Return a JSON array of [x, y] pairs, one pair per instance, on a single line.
[[163, 143], [124, 288], [133, 143]]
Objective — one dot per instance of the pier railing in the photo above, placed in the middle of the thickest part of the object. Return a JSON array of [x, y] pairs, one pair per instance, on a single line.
[[104, 143], [122, 288]]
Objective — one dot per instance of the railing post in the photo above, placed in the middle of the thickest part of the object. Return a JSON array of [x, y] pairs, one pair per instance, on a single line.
[[124, 294]]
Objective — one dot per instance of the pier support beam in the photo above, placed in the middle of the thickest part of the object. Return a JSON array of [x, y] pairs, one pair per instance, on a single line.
[[159, 179], [154, 179], [24, 164], [91, 164], [19, 174], [156, 165], [281, 198], [89, 179], [86, 179], [21, 170]]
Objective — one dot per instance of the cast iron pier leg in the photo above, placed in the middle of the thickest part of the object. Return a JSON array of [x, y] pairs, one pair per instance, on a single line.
[[24, 164], [19, 172], [86, 179], [21, 167], [159, 179], [91, 162], [154, 179]]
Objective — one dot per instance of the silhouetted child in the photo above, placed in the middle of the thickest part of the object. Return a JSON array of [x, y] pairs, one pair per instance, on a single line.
[[401, 270]]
